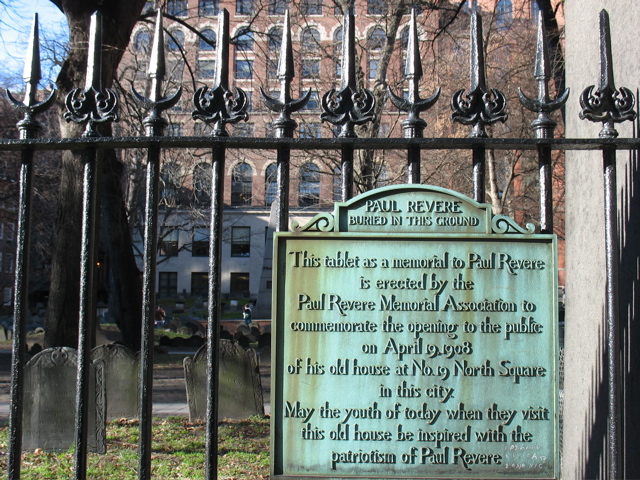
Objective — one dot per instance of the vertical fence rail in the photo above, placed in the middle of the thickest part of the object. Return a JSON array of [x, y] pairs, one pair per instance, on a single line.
[[609, 106], [154, 127], [91, 106], [28, 128], [284, 125]]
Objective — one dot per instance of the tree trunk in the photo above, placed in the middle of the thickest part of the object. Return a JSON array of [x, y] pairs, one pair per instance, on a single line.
[[119, 18]]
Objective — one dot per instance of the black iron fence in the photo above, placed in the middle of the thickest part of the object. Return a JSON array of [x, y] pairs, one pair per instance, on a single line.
[[345, 107]]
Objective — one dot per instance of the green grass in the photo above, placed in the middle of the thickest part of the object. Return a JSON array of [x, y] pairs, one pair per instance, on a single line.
[[178, 452]]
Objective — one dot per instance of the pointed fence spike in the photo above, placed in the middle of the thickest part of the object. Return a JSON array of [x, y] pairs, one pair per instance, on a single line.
[[94, 58], [157, 69], [542, 68], [32, 73], [222, 55], [285, 62], [477, 54], [413, 69], [606, 62]]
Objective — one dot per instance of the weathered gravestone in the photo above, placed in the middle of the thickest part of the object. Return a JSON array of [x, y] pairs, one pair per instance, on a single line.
[[240, 391], [416, 337], [121, 374], [50, 402]]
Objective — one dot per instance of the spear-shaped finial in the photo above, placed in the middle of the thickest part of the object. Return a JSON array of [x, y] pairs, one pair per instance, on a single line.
[[413, 126], [480, 107], [156, 103], [219, 105], [348, 106], [544, 124], [607, 105], [30, 107], [284, 124], [91, 104]]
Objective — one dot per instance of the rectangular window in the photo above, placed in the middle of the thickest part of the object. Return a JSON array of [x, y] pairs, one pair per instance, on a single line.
[[373, 68], [169, 242], [177, 8], [9, 262], [376, 7], [200, 245], [174, 130], [312, 7], [208, 8], [240, 241], [7, 296], [277, 7], [244, 7], [244, 130], [200, 284], [239, 285], [168, 284], [313, 103], [10, 231], [244, 69], [207, 68], [310, 130], [310, 68]]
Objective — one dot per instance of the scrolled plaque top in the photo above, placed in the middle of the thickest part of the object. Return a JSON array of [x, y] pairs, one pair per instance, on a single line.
[[413, 209]]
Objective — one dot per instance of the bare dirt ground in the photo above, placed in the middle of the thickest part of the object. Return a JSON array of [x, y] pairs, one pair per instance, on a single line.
[[168, 378]]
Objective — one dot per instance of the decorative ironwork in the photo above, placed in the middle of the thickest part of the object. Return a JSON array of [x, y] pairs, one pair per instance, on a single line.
[[481, 106], [91, 104], [285, 105], [28, 126], [607, 105], [413, 126], [544, 124], [156, 103], [350, 105], [219, 105]]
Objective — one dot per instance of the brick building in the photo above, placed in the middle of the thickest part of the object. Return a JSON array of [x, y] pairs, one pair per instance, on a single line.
[[256, 30]]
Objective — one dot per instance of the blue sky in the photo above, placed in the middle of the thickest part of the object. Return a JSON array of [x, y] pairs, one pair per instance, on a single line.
[[16, 17]]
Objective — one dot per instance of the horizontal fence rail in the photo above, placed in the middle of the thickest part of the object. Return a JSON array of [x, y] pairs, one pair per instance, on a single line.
[[346, 108]]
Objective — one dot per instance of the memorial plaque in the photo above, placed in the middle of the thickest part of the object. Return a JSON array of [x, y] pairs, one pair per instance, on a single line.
[[50, 402], [416, 337], [240, 390], [121, 378]]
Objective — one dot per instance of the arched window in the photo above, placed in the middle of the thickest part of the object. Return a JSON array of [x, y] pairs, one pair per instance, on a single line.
[[202, 184], [244, 40], [271, 184], [309, 189], [377, 39], [404, 38], [241, 184], [310, 39], [175, 40], [208, 40], [170, 184], [274, 41], [504, 14], [142, 41], [337, 48]]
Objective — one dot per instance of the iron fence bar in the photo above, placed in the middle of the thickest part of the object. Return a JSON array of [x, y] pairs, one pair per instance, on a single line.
[[259, 143], [610, 106], [478, 173], [545, 176], [91, 174], [154, 127], [28, 128], [612, 312], [284, 125]]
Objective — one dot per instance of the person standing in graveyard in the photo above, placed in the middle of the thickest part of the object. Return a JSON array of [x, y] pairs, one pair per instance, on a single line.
[[160, 314], [246, 314]]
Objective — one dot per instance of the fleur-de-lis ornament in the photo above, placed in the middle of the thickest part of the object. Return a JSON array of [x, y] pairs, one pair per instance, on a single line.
[[92, 105], [480, 107], [413, 126], [607, 104], [156, 104], [219, 105], [544, 124], [28, 126], [350, 105], [285, 105]]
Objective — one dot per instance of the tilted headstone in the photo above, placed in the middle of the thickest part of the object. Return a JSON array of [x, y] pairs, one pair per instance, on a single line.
[[240, 391], [121, 375], [50, 402]]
